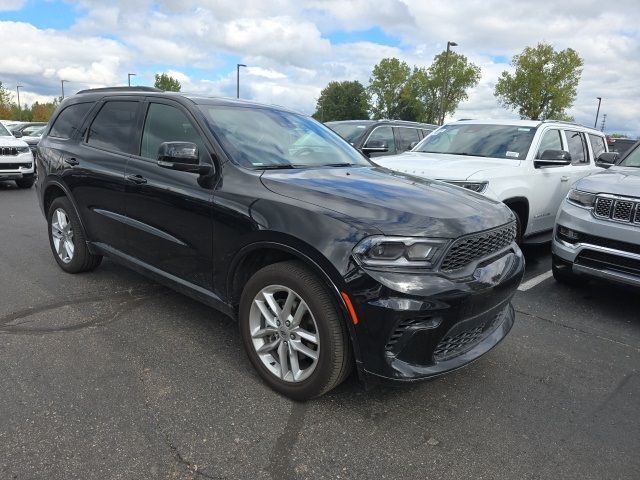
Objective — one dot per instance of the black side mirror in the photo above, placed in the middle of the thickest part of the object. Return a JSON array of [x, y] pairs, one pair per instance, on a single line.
[[553, 158], [17, 134], [181, 156], [375, 146], [607, 159]]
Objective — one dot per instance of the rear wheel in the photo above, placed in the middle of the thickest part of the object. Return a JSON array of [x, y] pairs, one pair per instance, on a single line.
[[293, 332], [68, 240], [26, 181]]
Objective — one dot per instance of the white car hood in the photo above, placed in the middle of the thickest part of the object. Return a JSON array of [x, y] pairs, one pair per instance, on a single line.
[[442, 166], [12, 142]]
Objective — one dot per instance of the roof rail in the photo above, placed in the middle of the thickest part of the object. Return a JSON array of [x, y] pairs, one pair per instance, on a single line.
[[120, 89], [564, 122]]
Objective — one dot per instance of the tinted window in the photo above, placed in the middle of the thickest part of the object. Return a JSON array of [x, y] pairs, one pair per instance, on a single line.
[[114, 127], [165, 123], [69, 120], [577, 148], [597, 145], [550, 141], [496, 141], [384, 134], [351, 132], [426, 132], [407, 136]]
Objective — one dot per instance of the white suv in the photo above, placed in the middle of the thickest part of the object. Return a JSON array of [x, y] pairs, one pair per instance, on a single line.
[[16, 160], [529, 165]]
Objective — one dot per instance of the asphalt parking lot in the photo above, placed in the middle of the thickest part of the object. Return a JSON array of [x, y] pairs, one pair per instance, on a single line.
[[110, 376]]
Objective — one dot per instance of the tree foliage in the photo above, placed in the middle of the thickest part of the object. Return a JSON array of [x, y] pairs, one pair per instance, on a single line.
[[543, 84], [388, 80], [342, 101], [167, 83]]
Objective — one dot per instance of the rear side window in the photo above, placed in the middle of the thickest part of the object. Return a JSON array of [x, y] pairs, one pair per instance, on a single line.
[[406, 137], [69, 120], [384, 134], [597, 145], [550, 141], [577, 147], [114, 127]]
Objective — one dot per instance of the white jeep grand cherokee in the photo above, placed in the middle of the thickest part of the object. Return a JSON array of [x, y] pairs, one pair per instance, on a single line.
[[16, 160], [529, 165]]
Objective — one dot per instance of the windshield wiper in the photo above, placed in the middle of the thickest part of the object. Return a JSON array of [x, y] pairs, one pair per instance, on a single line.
[[337, 165], [284, 166]]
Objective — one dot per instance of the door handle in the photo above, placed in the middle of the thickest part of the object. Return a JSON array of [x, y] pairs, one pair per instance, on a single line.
[[137, 179], [564, 179], [72, 161]]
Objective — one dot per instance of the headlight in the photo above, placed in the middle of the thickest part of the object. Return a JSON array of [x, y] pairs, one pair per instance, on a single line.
[[23, 149], [380, 251], [477, 187], [584, 199]]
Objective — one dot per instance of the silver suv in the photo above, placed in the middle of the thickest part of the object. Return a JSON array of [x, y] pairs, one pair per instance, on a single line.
[[597, 231]]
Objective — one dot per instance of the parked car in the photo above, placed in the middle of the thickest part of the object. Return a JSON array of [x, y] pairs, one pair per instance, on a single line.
[[16, 160], [325, 259], [620, 145], [376, 138], [18, 130], [33, 137], [528, 165], [597, 230]]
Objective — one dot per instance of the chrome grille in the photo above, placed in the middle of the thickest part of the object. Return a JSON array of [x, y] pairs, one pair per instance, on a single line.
[[623, 210], [8, 151], [14, 166], [465, 250]]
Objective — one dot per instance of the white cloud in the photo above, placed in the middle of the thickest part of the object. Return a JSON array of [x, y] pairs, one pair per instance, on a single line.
[[8, 5]]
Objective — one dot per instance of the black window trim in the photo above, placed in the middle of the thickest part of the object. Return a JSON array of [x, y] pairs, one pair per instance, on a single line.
[[393, 134], [586, 148], [563, 143]]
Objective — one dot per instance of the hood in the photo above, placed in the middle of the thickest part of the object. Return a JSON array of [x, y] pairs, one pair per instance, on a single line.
[[394, 203], [30, 140], [441, 165], [12, 142], [616, 180]]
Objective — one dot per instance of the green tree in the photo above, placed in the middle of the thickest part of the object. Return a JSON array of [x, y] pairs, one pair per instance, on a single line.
[[41, 112], [387, 83], [342, 101], [543, 84], [5, 96], [167, 83]]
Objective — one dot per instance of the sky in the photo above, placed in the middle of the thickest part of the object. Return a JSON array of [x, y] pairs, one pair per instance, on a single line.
[[293, 48]]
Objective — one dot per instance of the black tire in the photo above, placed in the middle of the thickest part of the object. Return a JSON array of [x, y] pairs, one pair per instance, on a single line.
[[563, 274], [335, 358], [82, 260], [26, 181]]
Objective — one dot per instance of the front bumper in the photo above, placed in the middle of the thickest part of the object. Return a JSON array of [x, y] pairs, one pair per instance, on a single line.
[[602, 248], [14, 167], [416, 326]]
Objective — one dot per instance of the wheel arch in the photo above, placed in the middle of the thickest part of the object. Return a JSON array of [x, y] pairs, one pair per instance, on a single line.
[[520, 205], [53, 189]]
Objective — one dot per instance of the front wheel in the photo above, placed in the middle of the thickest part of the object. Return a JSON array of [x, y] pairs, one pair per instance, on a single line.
[[26, 181], [293, 332]]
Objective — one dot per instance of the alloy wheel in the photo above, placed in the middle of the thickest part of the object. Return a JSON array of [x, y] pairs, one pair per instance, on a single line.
[[62, 235]]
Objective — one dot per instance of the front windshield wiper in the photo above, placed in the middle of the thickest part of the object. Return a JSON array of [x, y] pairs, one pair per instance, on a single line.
[[337, 165], [284, 166], [466, 154]]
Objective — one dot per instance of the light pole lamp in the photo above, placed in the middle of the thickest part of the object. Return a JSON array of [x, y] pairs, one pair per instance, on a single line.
[[129, 75], [595, 124], [62, 85], [238, 65], [445, 80], [18, 87]]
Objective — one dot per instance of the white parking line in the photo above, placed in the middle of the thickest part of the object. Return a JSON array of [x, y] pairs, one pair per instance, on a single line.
[[535, 281]]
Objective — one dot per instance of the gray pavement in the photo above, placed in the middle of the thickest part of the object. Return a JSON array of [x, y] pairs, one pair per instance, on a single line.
[[107, 375]]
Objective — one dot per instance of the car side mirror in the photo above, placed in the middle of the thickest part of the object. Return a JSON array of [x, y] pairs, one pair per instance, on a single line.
[[553, 158], [375, 146], [181, 156], [412, 145], [17, 134], [607, 159]]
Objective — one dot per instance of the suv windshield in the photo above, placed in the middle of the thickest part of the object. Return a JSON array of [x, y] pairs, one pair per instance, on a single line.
[[632, 160], [268, 138], [351, 132], [4, 132], [495, 141]]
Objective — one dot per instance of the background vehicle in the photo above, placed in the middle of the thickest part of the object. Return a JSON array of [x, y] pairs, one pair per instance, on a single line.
[[18, 130], [266, 215], [32, 136], [597, 230], [376, 138], [620, 145], [16, 160], [528, 165]]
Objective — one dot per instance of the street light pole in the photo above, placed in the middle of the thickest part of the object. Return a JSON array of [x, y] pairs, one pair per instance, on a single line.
[[595, 124], [445, 80], [238, 65], [18, 87], [129, 75], [62, 85]]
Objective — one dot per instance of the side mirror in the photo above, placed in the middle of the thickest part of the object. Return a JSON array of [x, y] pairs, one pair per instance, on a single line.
[[553, 158], [17, 134], [375, 146], [607, 159], [412, 145], [181, 156]]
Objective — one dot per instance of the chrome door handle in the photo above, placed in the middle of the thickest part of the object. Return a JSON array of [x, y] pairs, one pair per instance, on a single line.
[[137, 179], [564, 179]]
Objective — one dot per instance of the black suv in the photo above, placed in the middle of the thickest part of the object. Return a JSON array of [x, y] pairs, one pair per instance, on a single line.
[[325, 259], [376, 138]]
